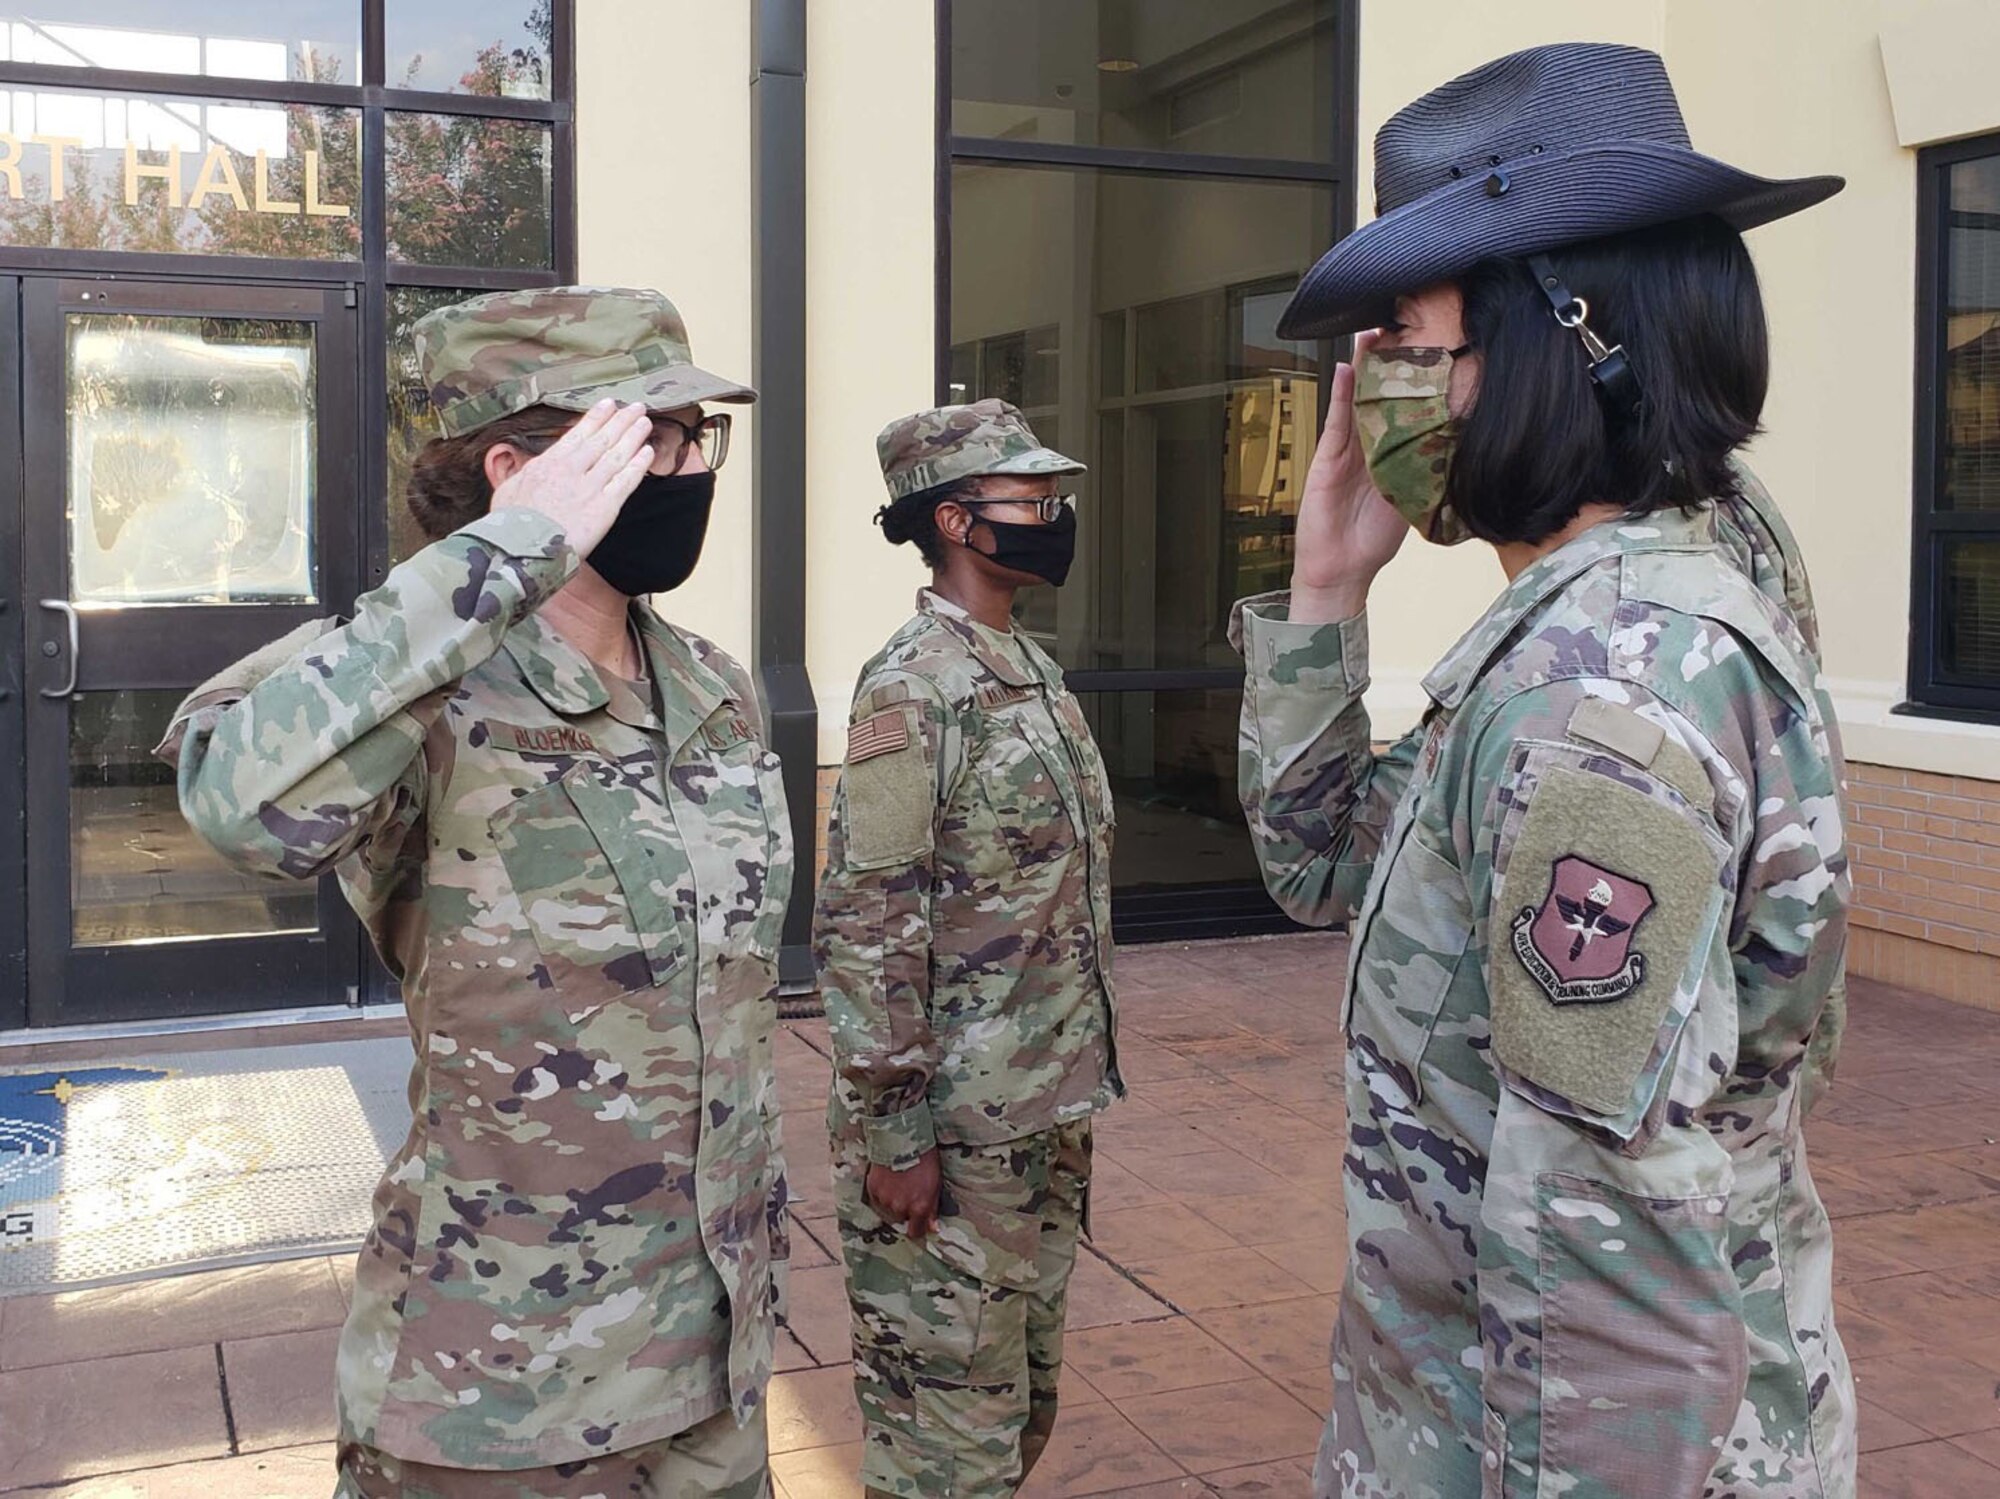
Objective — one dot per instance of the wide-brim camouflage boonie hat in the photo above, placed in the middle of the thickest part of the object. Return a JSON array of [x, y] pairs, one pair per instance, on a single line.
[[562, 346], [949, 443]]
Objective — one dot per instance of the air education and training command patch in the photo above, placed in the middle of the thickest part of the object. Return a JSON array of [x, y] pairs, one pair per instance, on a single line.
[[1582, 989], [1578, 944]]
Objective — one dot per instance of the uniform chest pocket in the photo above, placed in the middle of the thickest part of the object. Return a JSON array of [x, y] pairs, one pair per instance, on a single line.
[[595, 882], [1413, 945], [1097, 784], [1022, 784]]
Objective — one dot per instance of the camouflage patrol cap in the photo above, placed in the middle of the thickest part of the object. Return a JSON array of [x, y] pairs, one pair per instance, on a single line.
[[963, 442], [562, 346]]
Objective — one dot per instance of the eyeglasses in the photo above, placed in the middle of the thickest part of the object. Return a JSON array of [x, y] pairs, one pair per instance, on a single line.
[[1047, 506], [672, 439]]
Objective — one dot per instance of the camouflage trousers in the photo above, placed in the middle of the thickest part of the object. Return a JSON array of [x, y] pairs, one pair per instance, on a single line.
[[715, 1459], [958, 1338]]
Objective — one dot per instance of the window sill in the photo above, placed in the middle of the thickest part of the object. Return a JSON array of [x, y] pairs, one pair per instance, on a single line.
[[1879, 727]]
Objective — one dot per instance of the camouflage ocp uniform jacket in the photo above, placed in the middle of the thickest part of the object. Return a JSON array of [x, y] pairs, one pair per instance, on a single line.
[[1599, 906], [964, 922], [573, 1252]]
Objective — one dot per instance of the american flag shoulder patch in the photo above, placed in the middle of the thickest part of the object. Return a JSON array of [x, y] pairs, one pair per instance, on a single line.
[[879, 734]]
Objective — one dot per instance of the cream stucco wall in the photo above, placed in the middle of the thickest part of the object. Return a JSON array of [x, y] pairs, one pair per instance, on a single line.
[[1780, 86], [871, 249], [663, 200]]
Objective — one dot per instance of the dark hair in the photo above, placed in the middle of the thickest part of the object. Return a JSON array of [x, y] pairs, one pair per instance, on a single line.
[[1537, 444], [447, 486], [914, 518]]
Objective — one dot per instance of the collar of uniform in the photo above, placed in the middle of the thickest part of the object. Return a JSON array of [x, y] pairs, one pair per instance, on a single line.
[[688, 689], [560, 674], [1663, 531], [999, 653]]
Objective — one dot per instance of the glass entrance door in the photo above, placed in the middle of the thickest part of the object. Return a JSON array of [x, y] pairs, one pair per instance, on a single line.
[[190, 493]]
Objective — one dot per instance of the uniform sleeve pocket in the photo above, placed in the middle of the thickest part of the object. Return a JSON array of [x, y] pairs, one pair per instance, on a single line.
[[1642, 1336], [596, 911], [1411, 949]]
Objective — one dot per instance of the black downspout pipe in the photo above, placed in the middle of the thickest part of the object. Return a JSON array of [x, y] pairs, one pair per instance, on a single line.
[[778, 496]]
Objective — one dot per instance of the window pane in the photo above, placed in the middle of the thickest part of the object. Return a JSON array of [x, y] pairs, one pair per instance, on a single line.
[[470, 46], [412, 423], [1172, 761], [467, 191], [317, 41], [1971, 436], [1134, 316], [191, 449], [94, 171], [1218, 77], [1969, 601], [138, 873]]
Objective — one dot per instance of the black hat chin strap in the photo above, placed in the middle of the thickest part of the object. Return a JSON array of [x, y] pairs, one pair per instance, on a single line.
[[1610, 371]]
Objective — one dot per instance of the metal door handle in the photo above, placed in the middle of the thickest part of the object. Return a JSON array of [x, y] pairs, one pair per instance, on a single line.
[[68, 611]]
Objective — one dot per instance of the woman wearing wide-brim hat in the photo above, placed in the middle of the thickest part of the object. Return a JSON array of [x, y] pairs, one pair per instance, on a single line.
[[1598, 898]]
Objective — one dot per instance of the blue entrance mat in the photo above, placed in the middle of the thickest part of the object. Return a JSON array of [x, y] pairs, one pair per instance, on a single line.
[[115, 1171]]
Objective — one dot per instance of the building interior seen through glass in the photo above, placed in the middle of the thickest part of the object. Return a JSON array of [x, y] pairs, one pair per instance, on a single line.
[[137, 871], [1133, 317], [1969, 579], [1129, 306], [1245, 78]]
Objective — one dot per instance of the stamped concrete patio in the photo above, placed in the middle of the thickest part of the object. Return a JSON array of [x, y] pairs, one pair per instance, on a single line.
[[1201, 1308]]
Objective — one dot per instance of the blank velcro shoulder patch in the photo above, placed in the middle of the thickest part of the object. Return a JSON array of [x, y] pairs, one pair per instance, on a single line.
[[1608, 895], [888, 788]]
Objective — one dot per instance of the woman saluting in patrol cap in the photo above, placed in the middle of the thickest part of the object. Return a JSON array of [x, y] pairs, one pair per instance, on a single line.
[[556, 815], [964, 941], [1599, 898]]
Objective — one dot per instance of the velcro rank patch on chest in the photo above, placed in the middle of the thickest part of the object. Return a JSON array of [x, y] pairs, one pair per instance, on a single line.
[[879, 734], [1001, 694], [726, 733], [535, 739]]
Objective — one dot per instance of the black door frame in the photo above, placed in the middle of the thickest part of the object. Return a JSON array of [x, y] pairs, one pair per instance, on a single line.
[[13, 744], [172, 647]]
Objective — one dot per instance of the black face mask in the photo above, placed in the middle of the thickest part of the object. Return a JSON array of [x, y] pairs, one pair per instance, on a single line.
[[1044, 550], [656, 540]]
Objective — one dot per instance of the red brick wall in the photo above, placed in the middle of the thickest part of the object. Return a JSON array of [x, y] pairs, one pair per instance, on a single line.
[[1926, 856]]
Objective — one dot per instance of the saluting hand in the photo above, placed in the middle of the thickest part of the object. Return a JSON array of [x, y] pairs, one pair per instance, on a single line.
[[585, 477], [907, 1197], [1347, 532]]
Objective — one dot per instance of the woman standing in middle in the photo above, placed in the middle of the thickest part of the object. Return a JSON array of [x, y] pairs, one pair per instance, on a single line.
[[964, 939]]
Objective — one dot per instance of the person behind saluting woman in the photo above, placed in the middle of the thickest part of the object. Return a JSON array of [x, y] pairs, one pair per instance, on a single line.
[[1599, 899], [964, 942], [556, 816]]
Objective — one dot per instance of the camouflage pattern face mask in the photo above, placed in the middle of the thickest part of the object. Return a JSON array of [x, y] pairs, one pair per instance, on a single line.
[[1408, 434]]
